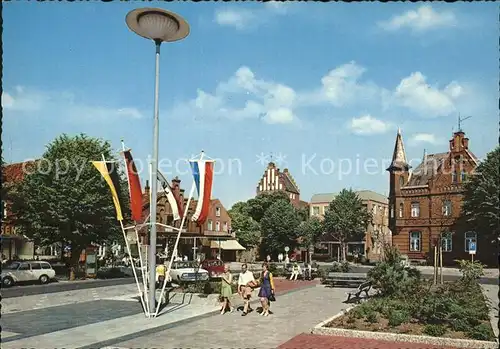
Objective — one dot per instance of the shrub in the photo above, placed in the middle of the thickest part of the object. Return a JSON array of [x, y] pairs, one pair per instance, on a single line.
[[398, 317], [471, 271], [481, 332], [459, 324], [372, 317], [394, 279], [434, 330]]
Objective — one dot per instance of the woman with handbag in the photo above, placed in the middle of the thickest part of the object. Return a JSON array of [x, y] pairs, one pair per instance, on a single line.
[[266, 292], [226, 290]]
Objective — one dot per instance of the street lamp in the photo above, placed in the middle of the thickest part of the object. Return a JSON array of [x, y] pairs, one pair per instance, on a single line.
[[158, 25]]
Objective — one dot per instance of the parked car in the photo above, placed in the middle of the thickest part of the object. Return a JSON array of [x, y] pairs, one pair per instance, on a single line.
[[187, 271], [27, 271], [215, 267]]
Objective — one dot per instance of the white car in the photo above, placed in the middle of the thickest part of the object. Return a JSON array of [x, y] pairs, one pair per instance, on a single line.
[[27, 271], [187, 271]]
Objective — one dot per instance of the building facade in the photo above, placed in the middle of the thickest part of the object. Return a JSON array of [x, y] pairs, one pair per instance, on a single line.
[[274, 180], [426, 203], [377, 232], [213, 238], [14, 244]]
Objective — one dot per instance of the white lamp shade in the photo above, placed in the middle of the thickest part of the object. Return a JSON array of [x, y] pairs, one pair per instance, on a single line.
[[157, 24]]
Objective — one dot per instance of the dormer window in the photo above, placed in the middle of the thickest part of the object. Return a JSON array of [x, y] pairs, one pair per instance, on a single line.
[[217, 211]]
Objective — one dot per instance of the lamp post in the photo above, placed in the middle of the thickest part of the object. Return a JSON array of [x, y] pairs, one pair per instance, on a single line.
[[160, 26]]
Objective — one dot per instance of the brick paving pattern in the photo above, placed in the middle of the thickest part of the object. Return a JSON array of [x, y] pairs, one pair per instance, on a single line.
[[311, 341]]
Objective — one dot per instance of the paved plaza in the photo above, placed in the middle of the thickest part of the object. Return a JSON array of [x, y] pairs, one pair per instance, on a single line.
[[110, 317]]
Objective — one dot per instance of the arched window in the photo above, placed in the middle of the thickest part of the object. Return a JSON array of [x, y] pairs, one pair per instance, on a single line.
[[401, 210]]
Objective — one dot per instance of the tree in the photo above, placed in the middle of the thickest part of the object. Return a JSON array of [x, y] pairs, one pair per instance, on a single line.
[[246, 229], [279, 227], [310, 231], [346, 219], [65, 199], [481, 201], [258, 206], [303, 213]]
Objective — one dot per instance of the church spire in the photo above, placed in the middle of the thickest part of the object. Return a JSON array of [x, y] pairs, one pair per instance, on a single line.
[[399, 161]]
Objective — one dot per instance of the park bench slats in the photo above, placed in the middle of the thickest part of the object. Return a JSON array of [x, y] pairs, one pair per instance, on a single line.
[[364, 287]]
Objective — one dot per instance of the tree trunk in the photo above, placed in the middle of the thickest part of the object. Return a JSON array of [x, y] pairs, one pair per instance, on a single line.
[[344, 251], [74, 260]]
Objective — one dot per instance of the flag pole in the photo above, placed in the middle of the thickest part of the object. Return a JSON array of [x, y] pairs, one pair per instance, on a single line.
[[130, 257], [136, 237], [167, 273]]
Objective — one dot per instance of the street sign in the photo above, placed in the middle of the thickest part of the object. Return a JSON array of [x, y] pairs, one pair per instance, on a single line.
[[287, 249], [472, 247]]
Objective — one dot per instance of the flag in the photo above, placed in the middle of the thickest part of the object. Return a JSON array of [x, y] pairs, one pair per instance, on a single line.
[[173, 198], [134, 186], [203, 171], [110, 175]]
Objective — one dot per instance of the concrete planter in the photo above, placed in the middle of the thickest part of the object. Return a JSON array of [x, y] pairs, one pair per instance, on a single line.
[[321, 329]]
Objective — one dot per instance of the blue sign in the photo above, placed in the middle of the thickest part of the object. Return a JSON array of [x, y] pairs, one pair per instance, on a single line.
[[472, 246]]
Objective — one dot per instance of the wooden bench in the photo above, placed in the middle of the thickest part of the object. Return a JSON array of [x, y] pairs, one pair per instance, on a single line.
[[334, 278], [364, 287]]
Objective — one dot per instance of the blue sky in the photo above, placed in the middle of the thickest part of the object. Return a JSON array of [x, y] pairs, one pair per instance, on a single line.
[[315, 84]]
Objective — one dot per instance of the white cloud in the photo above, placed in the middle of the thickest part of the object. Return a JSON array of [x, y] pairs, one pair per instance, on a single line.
[[246, 18], [420, 138], [64, 104], [368, 125], [415, 93], [244, 95], [425, 18]]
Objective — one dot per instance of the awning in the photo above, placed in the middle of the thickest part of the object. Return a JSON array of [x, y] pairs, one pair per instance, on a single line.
[[228, 245]]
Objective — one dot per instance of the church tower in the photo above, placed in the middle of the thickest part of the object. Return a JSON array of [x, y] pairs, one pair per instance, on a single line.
[[399, 172]]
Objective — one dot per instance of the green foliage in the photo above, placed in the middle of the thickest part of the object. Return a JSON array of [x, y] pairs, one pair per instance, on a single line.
[[258, 206], [246, 228], [66, 199], [394, 279], [481, 200], [372, 317], [482, 332], [340, 267], [434, 330], [310, 231], [346, 218], [279, 227], [471, 271], [303, 213], [398, 317]]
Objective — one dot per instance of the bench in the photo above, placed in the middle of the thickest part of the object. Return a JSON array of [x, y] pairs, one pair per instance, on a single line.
[[334, 278], [364, 287]]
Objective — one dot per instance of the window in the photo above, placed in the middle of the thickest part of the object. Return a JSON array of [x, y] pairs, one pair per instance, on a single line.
[[325, 208], [401, 181], [380, 210], [217, 226], [217, 211], [224, 226], [446, 243], [36, 266], [392, 211], [415, 241], [453, 177], [415, 209], [315, 210], [463, 176], [401, 210], [470, 236], [4, 210], [210, 228], [374, 209], [446, 208], [46, 266], [385, 211], [24, 266]]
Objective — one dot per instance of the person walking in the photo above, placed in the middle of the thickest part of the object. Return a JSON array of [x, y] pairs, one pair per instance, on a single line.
[[266, 289], [226, 290], [246, 282]]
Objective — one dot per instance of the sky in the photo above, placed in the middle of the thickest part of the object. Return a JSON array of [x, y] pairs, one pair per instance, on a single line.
[[318, 88]]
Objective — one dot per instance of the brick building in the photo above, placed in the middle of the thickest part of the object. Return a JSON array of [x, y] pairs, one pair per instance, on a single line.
[[212, 238], [376, 234], [426, 203], [13, 243], [273, 180]]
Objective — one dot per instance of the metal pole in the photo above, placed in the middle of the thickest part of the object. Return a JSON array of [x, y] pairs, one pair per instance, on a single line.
[[154, 190]]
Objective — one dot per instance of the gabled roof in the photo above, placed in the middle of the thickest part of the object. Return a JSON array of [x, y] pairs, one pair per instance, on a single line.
[[290, 184], [428, 168], [365, 195], [322, 198]]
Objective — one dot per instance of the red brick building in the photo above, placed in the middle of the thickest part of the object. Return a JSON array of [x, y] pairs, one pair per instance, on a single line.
[[425, 204], [13, 243], [273, 180], [211, 238]]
